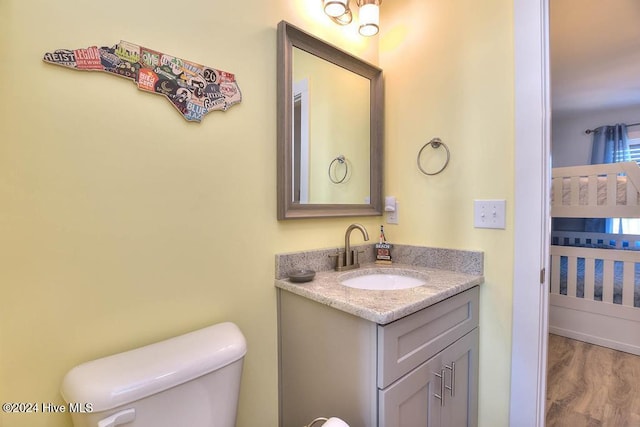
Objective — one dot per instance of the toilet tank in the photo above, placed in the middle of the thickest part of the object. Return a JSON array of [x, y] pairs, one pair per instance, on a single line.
[[189, 380]]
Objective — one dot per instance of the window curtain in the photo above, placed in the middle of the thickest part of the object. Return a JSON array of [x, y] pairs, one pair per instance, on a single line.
[[611, 145]]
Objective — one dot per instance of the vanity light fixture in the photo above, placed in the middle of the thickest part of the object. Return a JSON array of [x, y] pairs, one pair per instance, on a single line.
[[369, 14], [335, 8], [369, 17]]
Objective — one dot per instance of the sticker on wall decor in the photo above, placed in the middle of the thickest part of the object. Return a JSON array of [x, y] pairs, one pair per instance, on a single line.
[[193, 89]]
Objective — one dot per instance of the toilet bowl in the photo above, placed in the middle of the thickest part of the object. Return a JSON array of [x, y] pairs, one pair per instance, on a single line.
[[189, 380]]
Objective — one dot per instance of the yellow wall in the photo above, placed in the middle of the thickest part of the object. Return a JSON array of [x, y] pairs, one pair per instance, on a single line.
[[449, 74], [122, 224]]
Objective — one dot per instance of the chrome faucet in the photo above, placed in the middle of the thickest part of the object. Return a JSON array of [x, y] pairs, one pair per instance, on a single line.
[[350, 257]]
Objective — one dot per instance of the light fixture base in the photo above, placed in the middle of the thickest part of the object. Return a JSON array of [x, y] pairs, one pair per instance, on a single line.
[[360, 3], [344, 19]]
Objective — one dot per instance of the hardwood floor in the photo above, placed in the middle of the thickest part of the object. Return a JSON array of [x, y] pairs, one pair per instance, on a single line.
[[591, 386]]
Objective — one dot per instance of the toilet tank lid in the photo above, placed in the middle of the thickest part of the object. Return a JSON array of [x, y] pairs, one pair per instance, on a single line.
[[126, 377]]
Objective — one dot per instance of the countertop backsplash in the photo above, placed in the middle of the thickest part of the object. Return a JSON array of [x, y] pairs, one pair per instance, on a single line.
[[461, 261]]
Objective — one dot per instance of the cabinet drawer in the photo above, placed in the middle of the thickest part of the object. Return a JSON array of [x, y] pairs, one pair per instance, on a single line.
[[408, 342]]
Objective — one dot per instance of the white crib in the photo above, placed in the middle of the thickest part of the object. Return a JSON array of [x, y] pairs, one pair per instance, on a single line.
[[595, 277]]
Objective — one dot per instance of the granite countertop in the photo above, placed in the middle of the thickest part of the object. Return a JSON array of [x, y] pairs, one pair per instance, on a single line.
[[383, 307]]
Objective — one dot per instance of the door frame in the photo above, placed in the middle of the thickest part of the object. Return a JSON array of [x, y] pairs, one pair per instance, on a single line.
[[531, 217]]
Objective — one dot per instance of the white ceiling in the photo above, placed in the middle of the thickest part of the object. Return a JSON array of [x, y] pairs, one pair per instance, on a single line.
[[595, 54]]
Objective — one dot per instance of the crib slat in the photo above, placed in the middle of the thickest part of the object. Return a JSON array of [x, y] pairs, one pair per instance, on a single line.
[[607, 281], [575, 190], [612, 189], [632, 195], [589, 278], [593, 191], [572, 275], [555, 274], [556, 184], [628, 283]]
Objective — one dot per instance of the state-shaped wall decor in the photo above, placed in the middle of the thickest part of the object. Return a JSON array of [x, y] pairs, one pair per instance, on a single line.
[[192, 88]]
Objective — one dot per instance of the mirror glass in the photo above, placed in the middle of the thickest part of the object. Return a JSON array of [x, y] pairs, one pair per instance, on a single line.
[[329, 129], [330, 132]]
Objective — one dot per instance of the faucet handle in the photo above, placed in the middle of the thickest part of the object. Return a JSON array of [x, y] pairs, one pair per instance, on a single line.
[[355, 257], [339, 256]]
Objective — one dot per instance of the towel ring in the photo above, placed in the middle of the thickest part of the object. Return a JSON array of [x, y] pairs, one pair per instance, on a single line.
[[341, 161], [434, 143]]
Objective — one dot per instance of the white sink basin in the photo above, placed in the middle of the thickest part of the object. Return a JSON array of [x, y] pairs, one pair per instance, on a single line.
[[384, 281]]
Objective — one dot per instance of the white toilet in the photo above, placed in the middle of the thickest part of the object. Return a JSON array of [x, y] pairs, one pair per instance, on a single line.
[[190, 380]]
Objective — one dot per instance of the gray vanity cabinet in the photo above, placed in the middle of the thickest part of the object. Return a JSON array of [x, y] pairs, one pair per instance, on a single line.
[[420, 370]]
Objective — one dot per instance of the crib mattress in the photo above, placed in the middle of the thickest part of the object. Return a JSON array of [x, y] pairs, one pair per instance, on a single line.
[[598, 276]]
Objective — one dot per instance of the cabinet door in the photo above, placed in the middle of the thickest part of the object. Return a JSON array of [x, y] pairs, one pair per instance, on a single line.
[[460, 361], [411, 401], [422, 399]]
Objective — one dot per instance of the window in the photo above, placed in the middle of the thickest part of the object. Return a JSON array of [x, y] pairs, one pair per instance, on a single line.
[[629, 225], [634, 149]]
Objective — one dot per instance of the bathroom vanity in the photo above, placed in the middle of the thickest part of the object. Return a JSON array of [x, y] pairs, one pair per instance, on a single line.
[[392, 358]]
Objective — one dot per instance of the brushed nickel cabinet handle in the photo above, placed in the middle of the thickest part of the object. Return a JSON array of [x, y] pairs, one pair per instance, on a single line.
[[452, 368], [440, 396]]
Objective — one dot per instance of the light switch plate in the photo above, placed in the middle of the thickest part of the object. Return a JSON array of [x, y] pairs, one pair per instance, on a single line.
[[392, 217], [489, 213]]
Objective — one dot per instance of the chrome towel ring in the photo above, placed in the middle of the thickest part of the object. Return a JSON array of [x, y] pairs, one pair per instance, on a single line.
[[341, 161], [434, 143]]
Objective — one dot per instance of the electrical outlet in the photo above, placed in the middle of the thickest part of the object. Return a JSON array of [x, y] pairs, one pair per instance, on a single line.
[[489, 213]]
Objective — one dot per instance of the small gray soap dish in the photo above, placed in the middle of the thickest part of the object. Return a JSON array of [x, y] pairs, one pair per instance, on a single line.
[[300, 276]]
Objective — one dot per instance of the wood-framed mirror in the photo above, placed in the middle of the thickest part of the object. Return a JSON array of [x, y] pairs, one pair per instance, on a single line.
[[330, 130]]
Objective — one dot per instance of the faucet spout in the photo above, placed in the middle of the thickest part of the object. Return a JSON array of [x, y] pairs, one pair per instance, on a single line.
[[349, 263]]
